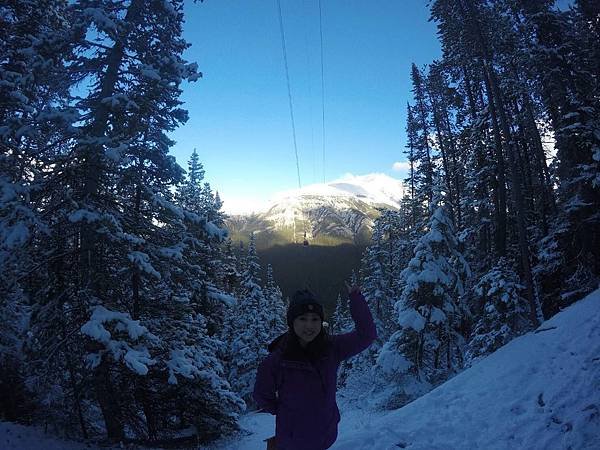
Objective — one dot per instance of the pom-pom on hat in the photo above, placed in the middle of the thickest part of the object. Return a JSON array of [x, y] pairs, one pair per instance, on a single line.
[[303, 302]]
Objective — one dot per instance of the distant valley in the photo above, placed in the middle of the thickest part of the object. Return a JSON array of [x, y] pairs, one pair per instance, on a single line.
[[336, 218]]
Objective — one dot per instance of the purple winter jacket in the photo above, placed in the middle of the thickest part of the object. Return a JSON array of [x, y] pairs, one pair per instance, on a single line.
[[302, 394]]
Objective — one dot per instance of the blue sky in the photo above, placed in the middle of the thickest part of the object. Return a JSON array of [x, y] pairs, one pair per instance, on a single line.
[[239, 114]]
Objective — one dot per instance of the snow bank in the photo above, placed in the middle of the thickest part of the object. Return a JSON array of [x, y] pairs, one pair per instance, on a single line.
[[19, 437], [540, 391]]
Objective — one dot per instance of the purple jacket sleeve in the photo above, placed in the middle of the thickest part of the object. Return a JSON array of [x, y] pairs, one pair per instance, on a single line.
[[265, 386], [364, 333]]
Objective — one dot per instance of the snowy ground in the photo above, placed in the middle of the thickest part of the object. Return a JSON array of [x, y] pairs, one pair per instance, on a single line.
[[19, 437], [541, 391]]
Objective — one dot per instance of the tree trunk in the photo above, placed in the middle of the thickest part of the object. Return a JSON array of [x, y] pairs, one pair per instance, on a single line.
[[548, 199], [517, 194], [438, 130], [500, 182], [135, 277], [109, 405], [90, 268], [508, 146], [455, 172], [470, 96]]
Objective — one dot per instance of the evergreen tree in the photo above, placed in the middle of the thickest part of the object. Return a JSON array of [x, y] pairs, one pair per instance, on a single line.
[[35, 137], [430, 311], [248, 327], [380, 271], [120, 275], [190, 191], [228, 275], [422, 146], [415, 207], [275, 309], [565, 42], [341, 322], [502, 311]]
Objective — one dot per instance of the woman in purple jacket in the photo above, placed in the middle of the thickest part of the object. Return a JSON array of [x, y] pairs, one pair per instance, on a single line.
[[297, 381]]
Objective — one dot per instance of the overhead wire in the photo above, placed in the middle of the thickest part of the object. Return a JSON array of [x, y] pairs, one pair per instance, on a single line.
[[322, 85], [309, 79], [289, 89]]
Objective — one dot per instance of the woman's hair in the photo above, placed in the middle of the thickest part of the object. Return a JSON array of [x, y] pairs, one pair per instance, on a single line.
[[314, 350]]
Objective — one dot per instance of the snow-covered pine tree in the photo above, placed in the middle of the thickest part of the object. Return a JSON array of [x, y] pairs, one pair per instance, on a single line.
[[380, 269], [247, 327], [190, 191], [429, 343], [412, 155], [565, 41], [35, 133], [196, 372], [441, 96], [207, 243], [479, 136], [117, 264], [228, 275], [421, 146], [341, 322], [502, 311], [275, 309], [376, 280]]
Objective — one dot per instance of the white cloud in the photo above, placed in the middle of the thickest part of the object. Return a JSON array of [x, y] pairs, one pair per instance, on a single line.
[[401, 166], [376, 185], [234, 205]]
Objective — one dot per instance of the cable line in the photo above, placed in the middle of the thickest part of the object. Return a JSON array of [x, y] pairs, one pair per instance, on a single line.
[[289, 90], [322, 84], [287, 77]]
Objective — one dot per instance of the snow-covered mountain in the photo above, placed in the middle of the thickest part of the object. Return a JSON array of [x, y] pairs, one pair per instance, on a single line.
[[339, 211]]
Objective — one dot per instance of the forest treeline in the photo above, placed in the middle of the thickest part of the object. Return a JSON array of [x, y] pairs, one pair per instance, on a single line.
[[125, 313], [500, 226], [124, 310]]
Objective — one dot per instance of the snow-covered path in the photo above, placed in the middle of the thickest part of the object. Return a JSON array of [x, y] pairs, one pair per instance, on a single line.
[[541, 391], [256, 428], [261, 426]]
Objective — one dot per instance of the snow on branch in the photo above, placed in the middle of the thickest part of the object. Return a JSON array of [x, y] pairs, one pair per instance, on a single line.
[[159, 200], [142, 261], [220, 296], [137, 357], [215, 231], [390, 360], [192, 362], [410, 318], [102, 21], [84, 215]]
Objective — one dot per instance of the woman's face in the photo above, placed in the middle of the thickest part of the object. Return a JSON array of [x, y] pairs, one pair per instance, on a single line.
[[307, 327]]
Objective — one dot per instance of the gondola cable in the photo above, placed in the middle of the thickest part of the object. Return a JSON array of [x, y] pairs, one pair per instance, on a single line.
[[289, 89], [322, 85]]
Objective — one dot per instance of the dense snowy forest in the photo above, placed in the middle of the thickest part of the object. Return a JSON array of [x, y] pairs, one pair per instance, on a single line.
[[500, 226], [126, 312], [119, 286]]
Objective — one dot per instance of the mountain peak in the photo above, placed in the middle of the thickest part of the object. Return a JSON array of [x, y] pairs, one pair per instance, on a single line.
[[341, 211], [373, 189]]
